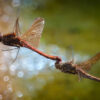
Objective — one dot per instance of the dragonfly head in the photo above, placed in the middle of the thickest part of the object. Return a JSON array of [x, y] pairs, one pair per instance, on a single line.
[[1, 36]]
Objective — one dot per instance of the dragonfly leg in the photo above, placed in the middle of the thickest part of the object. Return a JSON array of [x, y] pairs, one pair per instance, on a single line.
[[18, 48], [79, 76], [9, 49]]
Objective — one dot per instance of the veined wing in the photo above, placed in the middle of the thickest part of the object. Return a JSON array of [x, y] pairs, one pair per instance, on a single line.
[[16, 27], [87, 64], [32, 36]]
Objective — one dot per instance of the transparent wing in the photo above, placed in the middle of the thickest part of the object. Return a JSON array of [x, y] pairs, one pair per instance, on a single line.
[[32, 36], [16, 27], [87, 64]]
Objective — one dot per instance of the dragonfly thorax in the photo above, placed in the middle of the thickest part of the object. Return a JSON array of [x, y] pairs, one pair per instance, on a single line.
[[10, 40], [66, 67]]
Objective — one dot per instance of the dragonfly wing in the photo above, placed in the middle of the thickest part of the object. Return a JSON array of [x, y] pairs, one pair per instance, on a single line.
[[87, 64], [16, 27], [32, 36]]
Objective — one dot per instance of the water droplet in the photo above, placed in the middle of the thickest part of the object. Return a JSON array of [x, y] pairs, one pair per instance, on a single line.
[[20, 74], [19, 94], [12, 67], [6, 78], [10, 87]]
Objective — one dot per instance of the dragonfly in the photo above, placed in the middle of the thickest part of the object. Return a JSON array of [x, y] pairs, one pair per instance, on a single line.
[[29, 39], [79, 69]]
